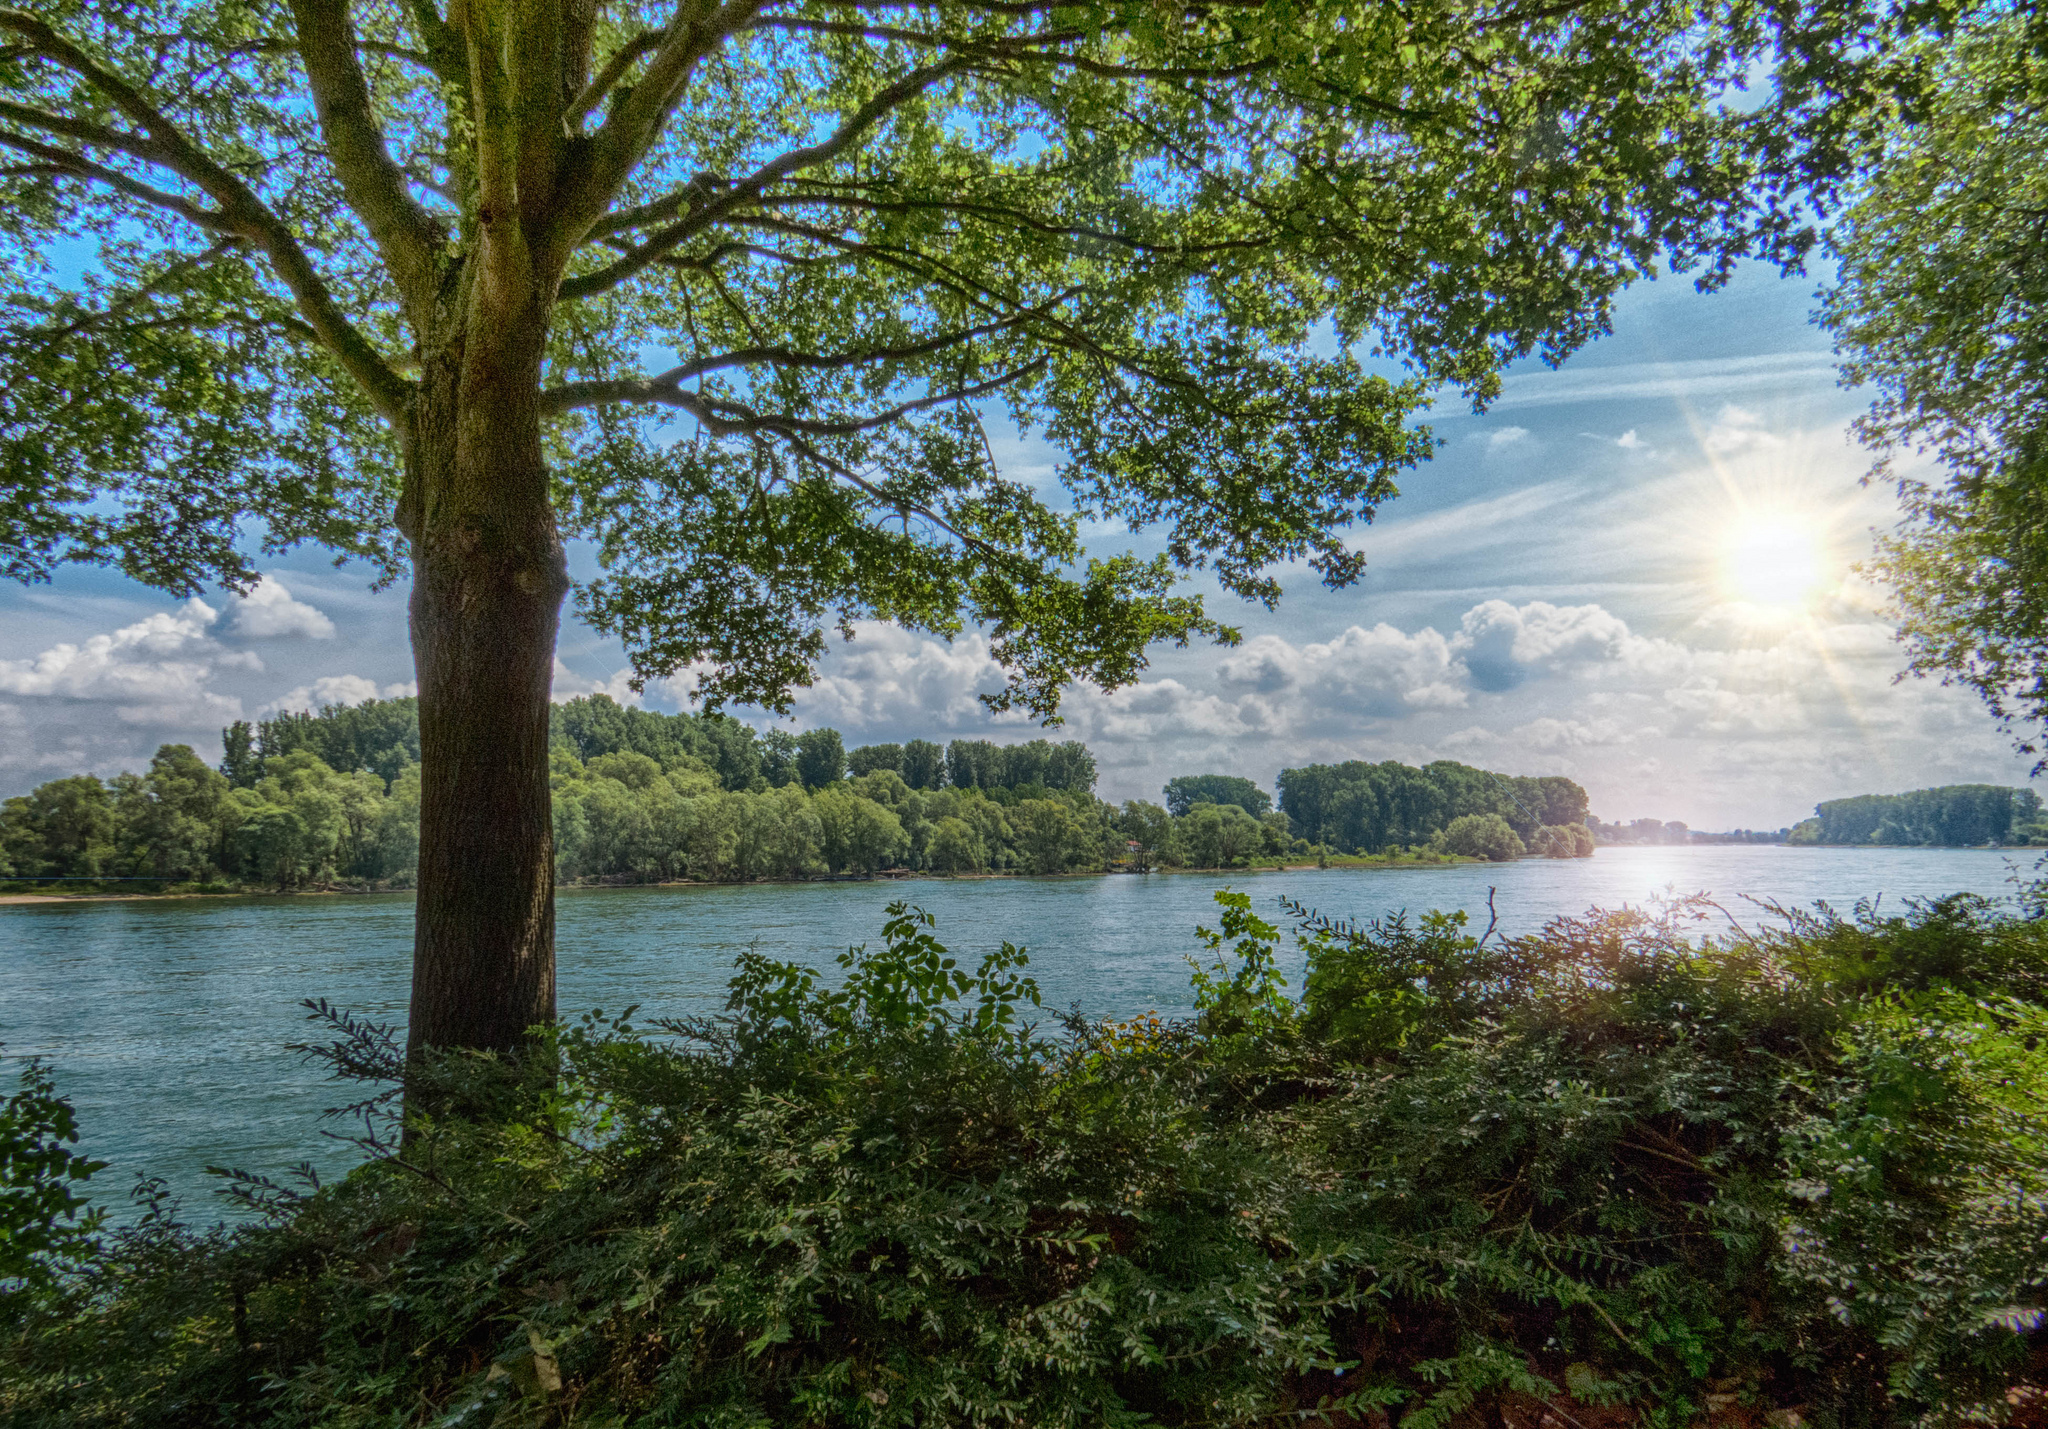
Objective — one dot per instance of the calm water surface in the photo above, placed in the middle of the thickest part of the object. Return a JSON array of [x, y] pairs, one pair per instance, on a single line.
[[166, 1020]]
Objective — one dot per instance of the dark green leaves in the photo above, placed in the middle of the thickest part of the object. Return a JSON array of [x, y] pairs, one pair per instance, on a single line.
[[1608, 1166], [151, 414], [42, 1213]]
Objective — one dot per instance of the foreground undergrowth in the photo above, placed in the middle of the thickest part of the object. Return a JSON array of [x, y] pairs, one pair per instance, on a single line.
[[1610, 1174]]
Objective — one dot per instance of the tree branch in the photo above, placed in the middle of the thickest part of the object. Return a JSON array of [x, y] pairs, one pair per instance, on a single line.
[[444, 47], [964, 286], [52, 336], [540, 49], [1003, 214], [904, 508], [270, 45], [642, 44], [723, 417], [137, 146], [623, 139], [65, 163], [169, 147], [403, 231], [667, 206], [807, 361], [750, 188], [497, 145]]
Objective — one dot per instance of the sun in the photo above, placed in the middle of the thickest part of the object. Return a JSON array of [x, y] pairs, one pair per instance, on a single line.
[[1772, 559]]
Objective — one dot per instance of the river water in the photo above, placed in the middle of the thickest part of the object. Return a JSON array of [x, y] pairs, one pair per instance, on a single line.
[[166, 1020]]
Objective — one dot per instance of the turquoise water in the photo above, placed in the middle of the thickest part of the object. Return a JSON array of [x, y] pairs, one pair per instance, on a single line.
[[166, 1021]]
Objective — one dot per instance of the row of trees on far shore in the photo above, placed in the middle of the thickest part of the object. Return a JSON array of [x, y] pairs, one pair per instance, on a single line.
[[1658, 831], [1360, 807], [638, 796], [1953, 816]]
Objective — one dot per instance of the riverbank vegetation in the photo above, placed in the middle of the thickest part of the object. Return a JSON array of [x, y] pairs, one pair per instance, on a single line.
[[1358, 805], [1954, 816], [308, 800], [1610, 1174]]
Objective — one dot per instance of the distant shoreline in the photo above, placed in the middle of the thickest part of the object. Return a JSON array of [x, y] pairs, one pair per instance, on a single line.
[[1342, 863]]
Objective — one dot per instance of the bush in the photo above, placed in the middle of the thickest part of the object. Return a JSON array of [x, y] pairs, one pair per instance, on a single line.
[[1481, 836], [43, 1216], [1607, 1171], [1562, 841]]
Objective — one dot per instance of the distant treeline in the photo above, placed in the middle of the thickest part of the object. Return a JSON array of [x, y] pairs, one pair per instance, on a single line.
[[313, 798], [1645, 831], [1659, 831], [1368, 808], [1956, 815], [308, 799], [383, 736]]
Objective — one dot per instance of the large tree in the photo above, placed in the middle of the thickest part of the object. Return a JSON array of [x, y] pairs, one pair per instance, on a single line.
[[1940, 305], [729, 287]]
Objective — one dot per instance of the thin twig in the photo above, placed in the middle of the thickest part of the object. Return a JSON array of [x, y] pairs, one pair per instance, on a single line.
[[1492, 917]]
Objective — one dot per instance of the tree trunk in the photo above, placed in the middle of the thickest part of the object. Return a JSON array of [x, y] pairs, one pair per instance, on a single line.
[[488, 581]]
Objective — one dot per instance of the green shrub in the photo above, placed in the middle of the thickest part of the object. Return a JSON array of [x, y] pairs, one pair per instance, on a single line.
[[43, 1215], [1562, 841], [1460, 1180], [1486, 836]]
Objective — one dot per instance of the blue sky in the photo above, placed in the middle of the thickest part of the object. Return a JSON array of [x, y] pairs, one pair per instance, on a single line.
[[1634, 570]]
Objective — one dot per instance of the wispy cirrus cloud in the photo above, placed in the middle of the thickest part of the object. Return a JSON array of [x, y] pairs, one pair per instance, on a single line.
[[1696, 380]]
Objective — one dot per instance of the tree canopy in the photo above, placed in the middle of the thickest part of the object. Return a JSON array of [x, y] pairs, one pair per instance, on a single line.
[[1361, 805], [822, 241], [1187, 790], [1939, 306], [1956, 815]]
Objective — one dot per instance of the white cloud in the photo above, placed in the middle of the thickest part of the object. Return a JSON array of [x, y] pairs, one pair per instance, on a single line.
[[156, 671], [338, 690], [1378, 673], [1506, 437], [1501, 645], [271, 612], [872, 680], [1558, 734], [1628, 441]]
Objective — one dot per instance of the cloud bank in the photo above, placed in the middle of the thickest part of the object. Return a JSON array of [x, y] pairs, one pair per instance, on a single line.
[[1722, 729], [103, 702], [157, 671]]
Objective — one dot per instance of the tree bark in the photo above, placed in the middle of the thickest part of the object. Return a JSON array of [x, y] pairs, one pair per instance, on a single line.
[[489, 576]]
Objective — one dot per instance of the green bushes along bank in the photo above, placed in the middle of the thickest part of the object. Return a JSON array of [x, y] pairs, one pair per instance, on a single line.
[[307, 800], [1607, 1175]]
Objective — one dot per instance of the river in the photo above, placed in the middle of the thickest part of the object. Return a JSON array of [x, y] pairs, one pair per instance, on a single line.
[[166, 1020]]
